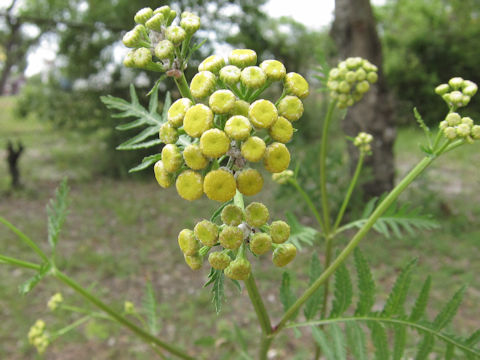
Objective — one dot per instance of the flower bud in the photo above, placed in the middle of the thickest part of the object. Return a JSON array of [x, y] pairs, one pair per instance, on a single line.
[[230, 74], [281, 130], [443, 124], [190, 23], [453, 119], [213, 64], [290, 107], [232, 215], [155, 22], [279, 231], [274, 69], [222, 101], [463, 130], [360, 75], [219, 260], [455, 83], [214, 143], [284, 254], [442, 89], [163, 177], [249, 182], [450, 132], [240, 108], [189, 185], [172, 158], [470, 89], [238, 127], [132, 39], [467, 121], [276, 158], [260, 243], [206, 232], [256, 214], [362, 87], [142, 57], [176, 112], [143, 15], [262, 113], [350, 77], [296, 84], [194, 157], [187, 242], [55, 301], [220, 185], [242, 58], [195, 262], [129, 307], [129, 60], [175, 34], [372, 77], [476, 132], [197, 120], [231, 237], [283, 177], [456, 98], [164, 10], [164, 49], [168, 134], [239, 269], [253, 77], [253, 149], [203, 84]]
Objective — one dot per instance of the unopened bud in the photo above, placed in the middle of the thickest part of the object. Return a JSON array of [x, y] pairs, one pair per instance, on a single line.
[[239, 269], [232, 215], [284, 254]]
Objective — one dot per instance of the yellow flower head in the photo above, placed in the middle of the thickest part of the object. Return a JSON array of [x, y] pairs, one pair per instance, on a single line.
[[253, 149], [262, 113], [195, 262], [177, 111], [219, 185], [232, 215], [279, 231], [212, 63], [219, 260], [249, 182], [253, 77], [203, 84], [206, 232], [256, 214], [168, 134], [274, 69], [230, 74], [290, 107], [189, 185], [284, 254], [240, 108], [260, 243], [187, 242], [231, 237], [214, 143], [222, 101], [282, 130], [277, 158], [194, 158], [238, 127], [172, 158], [164, 178], [198, 119], [296, 84], [239, 269], [242, 58]]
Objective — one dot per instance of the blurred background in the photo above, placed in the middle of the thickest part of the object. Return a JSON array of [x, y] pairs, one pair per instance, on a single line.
[[57, 57]]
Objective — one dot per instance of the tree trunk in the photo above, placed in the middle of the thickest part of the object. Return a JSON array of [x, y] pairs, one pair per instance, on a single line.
[[354, 31], [13, 156]]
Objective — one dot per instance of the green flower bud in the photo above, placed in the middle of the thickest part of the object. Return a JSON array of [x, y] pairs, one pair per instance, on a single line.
[[214, 143], [187, 242], [197, 120], [220, 185], [334, 74], [190, 23], [361, 75], [239, 269], [172, 158], [443, 124], [164, 10], [442, 89], [143, 15], [284, 254], [372, 77], [467, 121], [195, 262], [279, 231], [344, 87], [463, 130], [476, 132], [253, 149], [168, 134], [194, 158], [230, 74], [262, 113], [260, 243], [281, 130], [213, 64], [203, 84], [450, 132], [296, 84], [453, 119], [177, 111], [164, 49], [142, 57], [455, 83], [232, 215], [231, 237], [132, 39], [155, 22], [206, 232], [276, 158], [219, 260], [240, 108], [283, 177], [470, 88], [222, 101], [129, 307], [362, 87], [129, 60], [256, 214], [238, 127], [353, 62], [253, 77], [175, 34], [242, 58], [465, 100], [55, 301], [249, 182], [290, 107], [456, 98], [163, 177], [350, 77], [274, 69], [189, 185]]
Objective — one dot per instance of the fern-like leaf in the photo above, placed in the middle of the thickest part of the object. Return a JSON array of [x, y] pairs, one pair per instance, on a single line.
[[450, 309], [426, 347], [356, 341], [57, 213], [338, 342], [398, 295], [216, 279], [343, 291], [312, 306], [380, 340], [300, 234], [287, 297], [322, 341], [149, 304], [400, 339], [366, 284], [422, 301]]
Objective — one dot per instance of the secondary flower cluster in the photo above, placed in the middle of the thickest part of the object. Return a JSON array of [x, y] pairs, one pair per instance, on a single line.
[[210, 143], [457, 92], [362, 141], [156, 35], [240, 230], [38, 337], [454, 126], [350, 80]]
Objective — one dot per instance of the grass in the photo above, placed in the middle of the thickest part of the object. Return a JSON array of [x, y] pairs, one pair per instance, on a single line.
[[120, 233]]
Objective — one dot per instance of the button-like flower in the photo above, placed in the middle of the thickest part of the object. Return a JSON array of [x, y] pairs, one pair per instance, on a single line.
[[189, 185], [219, 185]]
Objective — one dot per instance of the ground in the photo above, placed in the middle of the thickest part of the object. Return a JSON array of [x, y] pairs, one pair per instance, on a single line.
[[121, 233]]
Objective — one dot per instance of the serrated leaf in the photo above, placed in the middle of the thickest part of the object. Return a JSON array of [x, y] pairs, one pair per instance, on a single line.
[[400, 339], [379, 340], [131, 125], [356, 341], [57, 213], [338, 342], [133, 95], [146, 162], [343, 291], [29, 284], [449, 352], [398, 295], [300, 234], [166, 105], [473, 339], [153, 103], [287, 297], [450, 309], [366, 284], [218, 291], [237, 285], [422, 301], [143, 145], [425, 347], [321, 339], [367, 211], [149, 304], [144, 134], [312, 306]]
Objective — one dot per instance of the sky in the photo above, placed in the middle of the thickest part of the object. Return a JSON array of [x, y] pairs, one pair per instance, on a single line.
[[313, 13]]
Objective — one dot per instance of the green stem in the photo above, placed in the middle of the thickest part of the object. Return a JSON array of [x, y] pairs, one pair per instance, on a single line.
[[258, 305], [183, 87], [382, 207], [349, 191], [145, 336], [70, 327], [308, 200], [323, 174], [328, 260], [17, 262], [264, 347]]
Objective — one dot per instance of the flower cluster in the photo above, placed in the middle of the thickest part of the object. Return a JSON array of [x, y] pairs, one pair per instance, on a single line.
[[210, 143], [38, 337], [157, 43], [241, 230], [350, 80], [55, 301], [454, 126], [457, 92], [362, 141]]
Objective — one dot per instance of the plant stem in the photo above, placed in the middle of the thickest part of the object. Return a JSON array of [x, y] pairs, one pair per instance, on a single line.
[[142, 334], [308, 200], [70, 327], [182, 86], [381, 208], [349, 191], [17, 262], [258, 305], [264, 347]]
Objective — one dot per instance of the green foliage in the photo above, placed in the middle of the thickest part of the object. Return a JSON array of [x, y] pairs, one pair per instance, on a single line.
[[366, 284], [314, 303], [287, 296], [215, 278], [29, 284], [57, 213], [343, 291], [300, 234], [149, 305]]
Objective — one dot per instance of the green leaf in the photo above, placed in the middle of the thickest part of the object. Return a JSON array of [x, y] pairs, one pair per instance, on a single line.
[[300, 234], [133, 94], [400, 339], [338, 342], [57, 213], [398, 295], [154, 89], [321, 339], [149, 304], [450, 309], [287, 297], [426, 347], [131, 125], [422, 301], [144, 134], [473, 339], [380, 340], [343, 291], [449, 352], [146, 162], [356, 341], [166, 105], [312, 306], [28, 285], [218, 291], [366, 284]]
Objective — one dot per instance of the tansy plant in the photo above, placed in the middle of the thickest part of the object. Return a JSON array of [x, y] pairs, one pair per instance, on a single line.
[[211, 138]]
